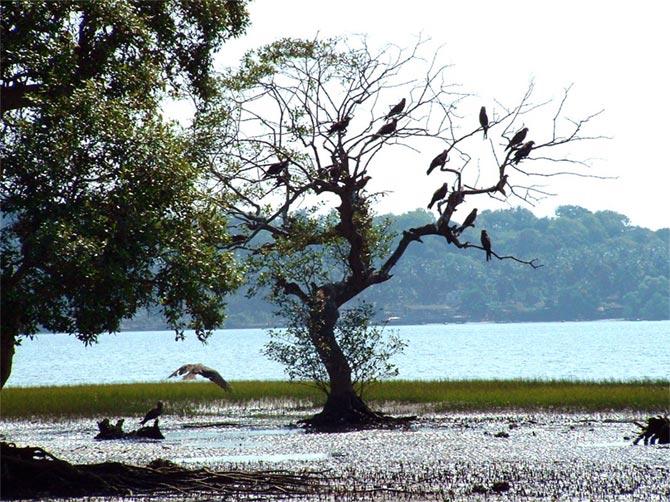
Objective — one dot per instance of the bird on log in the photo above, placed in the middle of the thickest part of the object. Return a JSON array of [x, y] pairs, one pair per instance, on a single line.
[[484, 120], [523, 152], [396, 109], [439, 194], [340, 125], [153, 413], [486, 244], [386, 129], [438, 161], [517, 138], [190, 371]]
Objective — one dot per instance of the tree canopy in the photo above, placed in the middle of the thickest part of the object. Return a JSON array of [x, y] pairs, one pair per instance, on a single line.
[[101, 212]]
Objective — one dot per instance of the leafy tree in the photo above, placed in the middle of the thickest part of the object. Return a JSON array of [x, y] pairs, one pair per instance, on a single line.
[[367, 349], [101, 207]]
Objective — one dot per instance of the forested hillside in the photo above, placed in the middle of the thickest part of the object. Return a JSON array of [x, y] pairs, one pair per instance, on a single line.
[[595, 266]]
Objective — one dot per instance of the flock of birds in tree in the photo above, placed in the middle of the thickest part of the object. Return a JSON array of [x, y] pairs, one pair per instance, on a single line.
[[519, 151]]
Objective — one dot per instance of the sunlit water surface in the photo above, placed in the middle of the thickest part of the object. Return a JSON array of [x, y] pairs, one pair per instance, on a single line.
[[619, 350]]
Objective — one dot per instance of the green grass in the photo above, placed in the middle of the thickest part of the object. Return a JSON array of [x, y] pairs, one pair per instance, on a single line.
[[184, 398]]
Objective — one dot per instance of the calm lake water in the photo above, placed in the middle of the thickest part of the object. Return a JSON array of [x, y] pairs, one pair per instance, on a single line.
[[619, 350]]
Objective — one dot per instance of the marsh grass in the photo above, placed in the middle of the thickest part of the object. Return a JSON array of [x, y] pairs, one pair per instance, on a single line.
[[184, 398]]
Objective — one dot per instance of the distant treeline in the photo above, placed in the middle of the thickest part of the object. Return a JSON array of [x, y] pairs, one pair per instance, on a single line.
[[595, 266]]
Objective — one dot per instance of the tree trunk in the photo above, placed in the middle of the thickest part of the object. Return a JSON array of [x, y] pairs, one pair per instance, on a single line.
[[10, 322], [7, 342], [343, 408]]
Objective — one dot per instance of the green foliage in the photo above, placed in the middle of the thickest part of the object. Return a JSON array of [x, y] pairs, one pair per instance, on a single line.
[[367, 348], [102, 214], [624, 273], [135, 48]]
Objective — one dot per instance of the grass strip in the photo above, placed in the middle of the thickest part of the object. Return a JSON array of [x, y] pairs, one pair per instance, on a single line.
[[116, 400]]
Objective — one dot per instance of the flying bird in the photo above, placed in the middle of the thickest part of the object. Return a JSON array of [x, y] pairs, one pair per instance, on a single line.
[[500, 187], [439, 194], [190, 371], [396, 109], [276, 168], [438, 161], [484, 120], [153, 413], [386, 129], [340, 125], [517, 138], [486, 244], [523, 152], [469, 221]]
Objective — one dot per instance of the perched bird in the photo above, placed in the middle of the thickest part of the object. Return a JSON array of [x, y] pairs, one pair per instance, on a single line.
[[517, 138], [340, 125], [153, 413], [190, 371], [523, 152], [386, 129], [469, 221], [438, 161], [439, 194], [486, 244], [484, 120], [396, 109], [276, 168], [500, 187]]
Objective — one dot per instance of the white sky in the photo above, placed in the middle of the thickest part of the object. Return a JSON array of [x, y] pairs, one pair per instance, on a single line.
[[612, 51]]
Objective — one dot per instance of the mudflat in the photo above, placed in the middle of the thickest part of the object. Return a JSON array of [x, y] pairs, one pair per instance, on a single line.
[[510, 454]]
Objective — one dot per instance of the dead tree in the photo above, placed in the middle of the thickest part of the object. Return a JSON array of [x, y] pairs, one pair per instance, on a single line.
[[309, 229]]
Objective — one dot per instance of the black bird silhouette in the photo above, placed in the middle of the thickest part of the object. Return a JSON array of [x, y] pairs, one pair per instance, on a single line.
[[469, 221], [500, 187], [340, 125], [386, 129], [190, 371], [440, 193], [153, 413], [396, 109], [484, 120], [438, 161], [517, 138], [486, 244], [523, 152], [276, 168]]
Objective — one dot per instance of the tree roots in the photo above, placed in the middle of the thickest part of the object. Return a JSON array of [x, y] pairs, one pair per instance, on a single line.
[[31, 472], [657, 430], [351, 413]]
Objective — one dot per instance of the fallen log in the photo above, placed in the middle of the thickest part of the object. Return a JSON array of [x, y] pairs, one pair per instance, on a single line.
[[657, 430], [109, 431]]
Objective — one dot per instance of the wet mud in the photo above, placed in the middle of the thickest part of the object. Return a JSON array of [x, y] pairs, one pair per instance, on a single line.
[[441, 456]]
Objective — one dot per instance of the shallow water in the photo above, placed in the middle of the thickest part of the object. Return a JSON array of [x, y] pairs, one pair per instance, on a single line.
[[441, 456], [619, 350]]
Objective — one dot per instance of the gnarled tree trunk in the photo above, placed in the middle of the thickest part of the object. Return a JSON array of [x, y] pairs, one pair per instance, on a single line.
[[343, 407]]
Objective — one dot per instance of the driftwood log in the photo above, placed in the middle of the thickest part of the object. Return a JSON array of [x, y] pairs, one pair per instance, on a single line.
[[657, 430], [33, 473], [109, 431]]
